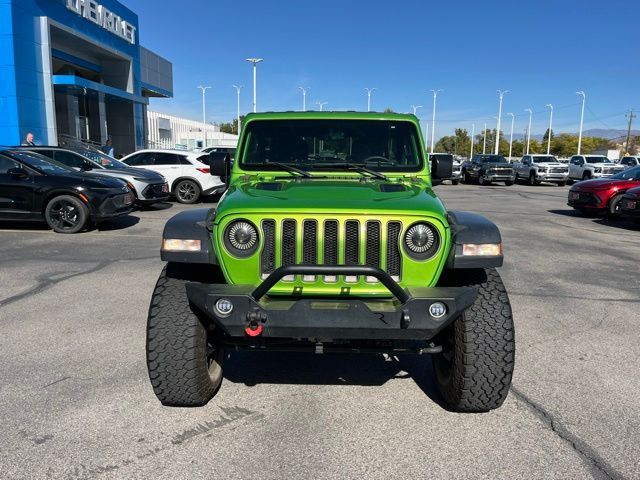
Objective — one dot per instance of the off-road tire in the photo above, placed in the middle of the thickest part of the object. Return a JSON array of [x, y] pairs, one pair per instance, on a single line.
[[184, 359], [473, 373]]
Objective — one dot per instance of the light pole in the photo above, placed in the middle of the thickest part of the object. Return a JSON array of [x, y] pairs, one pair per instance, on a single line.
[[304, 91], [529, 128], [433, 118], [513, 118], [550, 124], [255, 62], [501, 94], [204, 116], [369, 92], [321, 105], [473, 132], [584, 99], [484, 140], [415, 108], [238, 88]]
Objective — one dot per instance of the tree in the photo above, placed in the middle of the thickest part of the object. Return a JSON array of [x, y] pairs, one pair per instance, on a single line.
[[388, 110], [232, 126], [546, 135]]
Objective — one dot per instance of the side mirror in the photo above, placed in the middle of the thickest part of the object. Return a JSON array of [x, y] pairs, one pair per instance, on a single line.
[[442, 167], [18, 173], [220, 167]]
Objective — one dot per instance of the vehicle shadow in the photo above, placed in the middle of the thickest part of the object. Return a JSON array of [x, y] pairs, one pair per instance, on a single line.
[[155, 207], [622, 223], [118, 223], [27, 226], [295, 368], [569, 212]]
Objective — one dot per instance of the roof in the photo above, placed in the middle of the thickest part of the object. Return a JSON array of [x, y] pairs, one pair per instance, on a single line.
[[350, 115]]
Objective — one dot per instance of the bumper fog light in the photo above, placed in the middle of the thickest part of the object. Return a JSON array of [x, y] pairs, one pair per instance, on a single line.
[[223, 307], [437, 310], [180, 245]]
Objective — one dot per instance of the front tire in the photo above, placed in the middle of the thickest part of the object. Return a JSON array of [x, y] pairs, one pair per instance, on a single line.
[[66, 214], [184, 359], [455, 182], [187, 191], [613, 210], [473, 372]]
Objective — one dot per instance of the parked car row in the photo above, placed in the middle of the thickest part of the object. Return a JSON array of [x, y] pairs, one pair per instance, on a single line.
[[73, 188]]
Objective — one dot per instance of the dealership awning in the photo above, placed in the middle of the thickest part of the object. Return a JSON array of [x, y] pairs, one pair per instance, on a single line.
[[82, 85]]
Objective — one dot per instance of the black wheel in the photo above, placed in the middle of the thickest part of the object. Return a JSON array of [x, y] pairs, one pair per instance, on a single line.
[[187, 191], [455, 182], [562, 184], [508, 183], [532, 179], [466, 178], [586, 176], [66, 214], [184, 357], [517, 178], [473, 372], [613, 210], [482, 180]]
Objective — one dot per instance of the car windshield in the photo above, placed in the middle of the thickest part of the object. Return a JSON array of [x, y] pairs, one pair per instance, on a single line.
[[630, 174], [544, 159], [598, 160], [40, 162], [380, 145], [493, 159], [101, 159]]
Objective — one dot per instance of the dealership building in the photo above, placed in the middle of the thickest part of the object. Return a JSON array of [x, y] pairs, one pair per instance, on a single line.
[[75, 69]]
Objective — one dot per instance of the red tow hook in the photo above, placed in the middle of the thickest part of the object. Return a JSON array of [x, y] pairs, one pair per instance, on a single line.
[[253, 329]]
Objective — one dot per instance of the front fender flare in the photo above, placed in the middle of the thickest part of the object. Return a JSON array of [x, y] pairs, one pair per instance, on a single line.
[[471, 228], [192, 224]]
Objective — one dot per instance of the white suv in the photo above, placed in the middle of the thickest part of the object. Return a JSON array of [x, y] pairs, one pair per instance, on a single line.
[[186, 172], [585, 167]]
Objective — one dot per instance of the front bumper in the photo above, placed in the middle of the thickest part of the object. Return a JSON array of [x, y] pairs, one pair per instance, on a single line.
[[585, 200], [552, 177], [405, 317], [155, 192], [215, 189], [630, 206], [493, 177], [114, 206]]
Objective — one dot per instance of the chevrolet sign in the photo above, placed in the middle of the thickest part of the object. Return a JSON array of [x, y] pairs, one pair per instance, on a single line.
[[101, 16]]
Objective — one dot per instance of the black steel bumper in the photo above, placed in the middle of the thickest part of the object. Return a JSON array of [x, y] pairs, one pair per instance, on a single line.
[[404, 317]]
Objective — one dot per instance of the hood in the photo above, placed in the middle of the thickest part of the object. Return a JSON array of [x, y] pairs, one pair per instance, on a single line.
[[331, 195], [597, 183], [605, 165], [145, 175], [92, 180]]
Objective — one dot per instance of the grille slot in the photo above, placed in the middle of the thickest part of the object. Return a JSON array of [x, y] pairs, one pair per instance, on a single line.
[[268, 255], [330, 253], [393, 250], [310, 242], [288, 242], [372, 255]]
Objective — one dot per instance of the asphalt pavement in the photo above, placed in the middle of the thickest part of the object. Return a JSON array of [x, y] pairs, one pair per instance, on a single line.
[[76, 402]]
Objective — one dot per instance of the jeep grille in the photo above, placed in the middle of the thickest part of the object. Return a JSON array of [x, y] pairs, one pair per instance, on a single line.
[[375, 245]]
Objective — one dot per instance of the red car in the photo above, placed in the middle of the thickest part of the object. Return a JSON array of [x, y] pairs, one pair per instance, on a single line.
[[630, 204], [603, 195]]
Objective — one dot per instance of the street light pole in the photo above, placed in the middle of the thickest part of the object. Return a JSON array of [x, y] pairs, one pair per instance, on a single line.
[[415, 108], [369, 92], [529, 128], [473, 132], [304, 91], [204, 116], [238, 88], [550, 124], [321, 105], [484, 140], [513, 118], [433, 118], [255, 62], [501, 94], [584, 99]]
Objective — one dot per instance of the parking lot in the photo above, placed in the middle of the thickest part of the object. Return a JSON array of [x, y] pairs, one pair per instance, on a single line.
[[76, 401]]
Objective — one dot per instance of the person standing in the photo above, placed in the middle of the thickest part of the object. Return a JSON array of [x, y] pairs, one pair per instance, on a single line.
[[107, 148], [28, 141]]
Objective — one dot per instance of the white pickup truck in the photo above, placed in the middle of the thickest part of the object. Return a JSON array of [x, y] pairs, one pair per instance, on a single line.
[[535, 169], [585, 167]]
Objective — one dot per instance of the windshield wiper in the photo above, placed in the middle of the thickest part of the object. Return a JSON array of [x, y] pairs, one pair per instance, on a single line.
[[361, 169], [283, 166]]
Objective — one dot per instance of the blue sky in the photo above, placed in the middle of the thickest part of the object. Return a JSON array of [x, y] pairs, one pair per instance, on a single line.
[[543, 51]]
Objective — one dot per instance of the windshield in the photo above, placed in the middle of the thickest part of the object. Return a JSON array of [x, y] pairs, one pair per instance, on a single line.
[[380, 145], [493, 159], [40, 162], [544, 159], [598, 160], [101, 159], [630, 174]]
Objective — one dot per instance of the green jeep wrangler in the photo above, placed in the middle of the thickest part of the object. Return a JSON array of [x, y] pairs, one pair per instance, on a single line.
[[330, 238]]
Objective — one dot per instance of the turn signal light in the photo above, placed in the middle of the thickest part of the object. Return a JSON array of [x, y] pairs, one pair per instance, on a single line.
[[203, 170], [180, 245], [482, 249]]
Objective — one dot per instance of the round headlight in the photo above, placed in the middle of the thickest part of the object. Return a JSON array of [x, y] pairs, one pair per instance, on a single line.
[[421, 241], [241, 238]]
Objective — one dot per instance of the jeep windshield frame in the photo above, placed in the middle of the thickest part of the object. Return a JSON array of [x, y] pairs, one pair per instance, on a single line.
[[320, 144]]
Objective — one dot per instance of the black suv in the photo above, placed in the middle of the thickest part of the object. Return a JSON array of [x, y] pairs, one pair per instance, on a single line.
[[485, 169], [33, 187]]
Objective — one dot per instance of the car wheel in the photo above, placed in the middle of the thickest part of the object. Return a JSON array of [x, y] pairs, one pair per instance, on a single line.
[[187, 191], [562, 184], [508, 183], [586, 176], [532, 179], [473, 372], [466, 178], [455, 182], [184, 359], [66, 214], [613, 210], [482, 180]]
